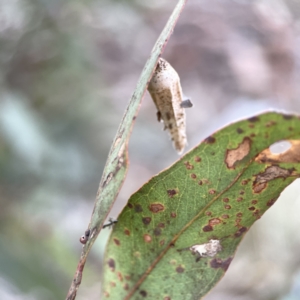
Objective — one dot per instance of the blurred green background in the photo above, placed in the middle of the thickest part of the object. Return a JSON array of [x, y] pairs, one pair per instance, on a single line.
[[67, 71]]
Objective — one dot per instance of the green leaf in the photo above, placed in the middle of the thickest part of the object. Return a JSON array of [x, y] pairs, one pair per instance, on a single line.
[[216, 191]]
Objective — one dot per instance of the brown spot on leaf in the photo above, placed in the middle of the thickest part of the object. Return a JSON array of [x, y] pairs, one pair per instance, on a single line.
[[254, 202], [147, 238], [208, 213], [269, 174], [126, 287], [211, 192], [146, 220], [167, 298], [171, 193], [197, 159], [210, 140], [106, 294], [200, 182], [271, 202], [111, 264], [173, 214], [188, 165], [235, 155], [239, 215], [225, 216], [240, 231], [227, 206], [217, 263], [127, 277], [259, 187], [242, 192], [207, 228], [162, 242], [214, 221], [156, 207], [251, 125], [179, 269], [251, 208], [120, 276], [291, 155], [161, 225], [239, 199], [117, 242], [194, 176], [130, 205], [270, 123], [127, 231], [252, 135], [226, 200], [290, 128], [244, 182], [157, 231], [253, 119], [287, 117], [138, 208], [239, 130], [143, 293]]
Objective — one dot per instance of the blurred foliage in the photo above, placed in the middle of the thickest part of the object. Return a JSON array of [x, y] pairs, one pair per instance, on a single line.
[[67, 71]]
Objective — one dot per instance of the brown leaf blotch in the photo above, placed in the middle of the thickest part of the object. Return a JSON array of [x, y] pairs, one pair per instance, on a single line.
[[207, 228], [197, 159], [227, 206], [291, 155], [210, 140], [161, 225], [211, 192], [270, 173], [239, 130], [146, 220], [288, 117], [156, 208], [251, 208], [143, 293], [200, 182], [242, 192], [270, 123], [258, 188], [167, 298], [179, 269], [173, 214], [271, 202], [130, 205], [138, 208], [127, 231], [214, 221], [127, 277], [157, 231], [193, 176], [188, 165], [147, 238], [235, 155], [126, 287], [208, 213], [117, 242], [226, 200], [253, 119], [106, 294], [162, 242], [171, 193], [244, 182], [240, 231], [111, 264], [239, 215], [120, 276], [217, 263], [239, 199], [254, 202], [225, 216]]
